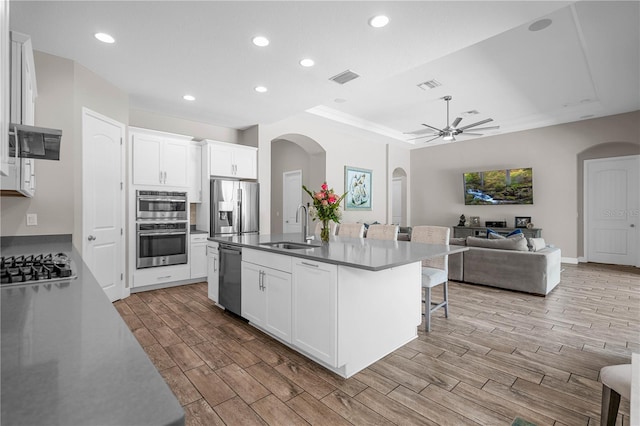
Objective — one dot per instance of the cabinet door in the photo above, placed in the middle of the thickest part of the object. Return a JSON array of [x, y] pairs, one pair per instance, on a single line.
[[146, 160], [213, 273], [198, 259], [245, 161], [220, 160], [314, 305], [277, 289], [252, 296], [5, 73], [195, 173], [28, 178], [175, 161]]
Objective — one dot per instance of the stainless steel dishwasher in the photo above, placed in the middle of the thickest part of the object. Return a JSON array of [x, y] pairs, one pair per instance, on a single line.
[[230, 287]]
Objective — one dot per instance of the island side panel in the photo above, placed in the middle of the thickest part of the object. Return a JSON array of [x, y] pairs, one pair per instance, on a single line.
[[378, 312]]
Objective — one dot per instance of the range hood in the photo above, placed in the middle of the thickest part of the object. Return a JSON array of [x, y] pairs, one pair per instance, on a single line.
[[34, 142]]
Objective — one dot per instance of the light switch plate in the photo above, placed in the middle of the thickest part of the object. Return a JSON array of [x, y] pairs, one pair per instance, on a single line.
[[32, 219]]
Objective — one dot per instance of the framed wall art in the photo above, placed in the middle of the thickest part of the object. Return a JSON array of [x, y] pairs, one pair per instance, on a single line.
[[522, 221], [357, 185]]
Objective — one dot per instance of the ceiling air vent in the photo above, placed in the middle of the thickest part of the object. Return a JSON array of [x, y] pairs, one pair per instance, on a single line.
[[344, 77], [430, 84]]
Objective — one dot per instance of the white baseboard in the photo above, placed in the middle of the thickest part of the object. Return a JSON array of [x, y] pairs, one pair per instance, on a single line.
[[570, 260], [582, 259]]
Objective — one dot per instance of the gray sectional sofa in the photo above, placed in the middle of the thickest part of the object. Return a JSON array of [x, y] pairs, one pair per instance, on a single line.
[[496, 263]]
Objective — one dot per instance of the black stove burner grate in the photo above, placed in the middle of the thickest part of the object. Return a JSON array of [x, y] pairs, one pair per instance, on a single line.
[[33, 268]]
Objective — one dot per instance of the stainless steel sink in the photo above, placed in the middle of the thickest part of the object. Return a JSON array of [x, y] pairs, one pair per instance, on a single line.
[[291, 245]]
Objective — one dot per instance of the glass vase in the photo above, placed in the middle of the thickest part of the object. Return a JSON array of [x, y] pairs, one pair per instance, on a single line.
[[324, 232]]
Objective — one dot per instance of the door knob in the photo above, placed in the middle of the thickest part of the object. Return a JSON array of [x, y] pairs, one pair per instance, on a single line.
[[633, 225], [91, 238]]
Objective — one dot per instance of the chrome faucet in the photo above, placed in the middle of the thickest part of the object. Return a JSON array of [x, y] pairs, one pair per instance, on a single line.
[[305, 224]]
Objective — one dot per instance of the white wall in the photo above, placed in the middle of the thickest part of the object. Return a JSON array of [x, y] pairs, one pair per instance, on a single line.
[[344, 145], [436, 175]]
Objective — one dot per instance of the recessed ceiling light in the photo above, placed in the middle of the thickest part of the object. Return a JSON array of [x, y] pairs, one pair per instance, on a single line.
[[540, 24], [189, 98], [378, 21], [307, 62], [260, 41], [339, 100], [260, 89], [105, 38]]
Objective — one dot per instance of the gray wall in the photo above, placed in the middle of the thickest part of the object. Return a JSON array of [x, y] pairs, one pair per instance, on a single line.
[[553, 152]]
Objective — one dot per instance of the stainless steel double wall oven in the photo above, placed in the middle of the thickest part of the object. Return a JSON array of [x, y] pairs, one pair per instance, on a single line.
[[161, 228]]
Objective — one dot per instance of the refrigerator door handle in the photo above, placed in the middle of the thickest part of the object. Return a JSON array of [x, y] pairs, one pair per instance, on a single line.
[[240, 212]]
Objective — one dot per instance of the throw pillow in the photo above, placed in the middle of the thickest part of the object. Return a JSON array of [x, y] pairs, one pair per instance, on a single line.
[[516, 242], [495, 236], [514, 232], [536, 244], [458, 241]]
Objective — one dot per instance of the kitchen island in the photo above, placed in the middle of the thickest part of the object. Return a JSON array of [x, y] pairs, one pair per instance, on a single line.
[[344, 304], [68, 358]]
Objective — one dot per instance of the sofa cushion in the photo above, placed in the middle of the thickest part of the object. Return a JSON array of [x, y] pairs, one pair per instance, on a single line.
[[517, 242], [458, 241]]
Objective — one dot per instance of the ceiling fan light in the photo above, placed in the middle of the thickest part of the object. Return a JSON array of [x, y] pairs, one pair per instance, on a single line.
[[448, 136]]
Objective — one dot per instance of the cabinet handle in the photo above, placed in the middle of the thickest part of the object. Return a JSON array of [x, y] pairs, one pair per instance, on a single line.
[[165, 178], [310, 264], [160, 178], [164, 278]]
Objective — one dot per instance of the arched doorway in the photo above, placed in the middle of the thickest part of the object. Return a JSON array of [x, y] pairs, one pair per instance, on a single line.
[[399, 197], [289, 153]]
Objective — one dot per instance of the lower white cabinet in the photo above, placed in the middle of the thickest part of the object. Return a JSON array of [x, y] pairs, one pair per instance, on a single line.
[[213, 271], [198, 255], [266, 297], [160, 275], [315, 307]]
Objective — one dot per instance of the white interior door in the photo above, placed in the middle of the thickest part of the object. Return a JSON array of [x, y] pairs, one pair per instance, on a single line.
[[612, 194], [291, 199], [396, 201], [103, 201]]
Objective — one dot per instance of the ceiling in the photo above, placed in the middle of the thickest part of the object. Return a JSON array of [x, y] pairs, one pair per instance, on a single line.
[[585, 64]]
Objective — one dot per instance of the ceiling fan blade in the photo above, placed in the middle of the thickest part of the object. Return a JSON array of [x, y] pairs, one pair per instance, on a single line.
[[456, 122], [476, 124], [419, 132], [471, 134], [431, 127], [432, 139], [424, 136], [486, 128]]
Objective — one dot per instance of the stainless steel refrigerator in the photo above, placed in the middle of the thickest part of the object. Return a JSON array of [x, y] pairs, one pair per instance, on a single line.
[[235, 207]]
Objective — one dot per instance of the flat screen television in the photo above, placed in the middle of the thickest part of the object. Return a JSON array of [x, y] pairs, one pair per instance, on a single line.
[[494, 187]]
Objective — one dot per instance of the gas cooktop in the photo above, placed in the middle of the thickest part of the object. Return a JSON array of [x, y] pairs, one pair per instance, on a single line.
[[40, 268]]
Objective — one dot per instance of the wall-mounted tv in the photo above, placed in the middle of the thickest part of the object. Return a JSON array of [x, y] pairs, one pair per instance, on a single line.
[[507, 186]]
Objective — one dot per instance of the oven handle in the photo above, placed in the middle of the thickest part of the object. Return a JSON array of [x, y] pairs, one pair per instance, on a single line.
[[153, 234], [176, 200]]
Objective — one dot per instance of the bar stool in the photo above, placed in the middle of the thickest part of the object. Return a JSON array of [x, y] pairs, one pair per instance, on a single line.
[[616, 382]]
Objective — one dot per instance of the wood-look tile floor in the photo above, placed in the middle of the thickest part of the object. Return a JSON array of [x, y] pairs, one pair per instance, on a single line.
[[498, 356]]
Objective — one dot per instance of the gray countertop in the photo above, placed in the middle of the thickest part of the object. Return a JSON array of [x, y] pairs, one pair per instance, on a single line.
[[68, 358], [363, 253]]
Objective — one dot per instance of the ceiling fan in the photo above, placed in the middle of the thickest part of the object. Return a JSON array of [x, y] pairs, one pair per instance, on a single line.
[[449, 132]]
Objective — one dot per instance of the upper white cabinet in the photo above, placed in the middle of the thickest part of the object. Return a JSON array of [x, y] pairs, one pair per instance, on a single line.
[[5, 55], [160, 159], [232, 160], [195, 172], [20, 172]]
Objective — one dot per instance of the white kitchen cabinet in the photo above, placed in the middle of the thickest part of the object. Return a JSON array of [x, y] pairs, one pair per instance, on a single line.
[[160, 275], [232, 160], [5, 88], [20, 172], [314, 303], [213, 271], [160, 159], [266, 293], [198, 255], [195, 173]]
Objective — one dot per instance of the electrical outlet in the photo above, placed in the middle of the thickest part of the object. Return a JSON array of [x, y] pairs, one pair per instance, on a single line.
[[32, 219]]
